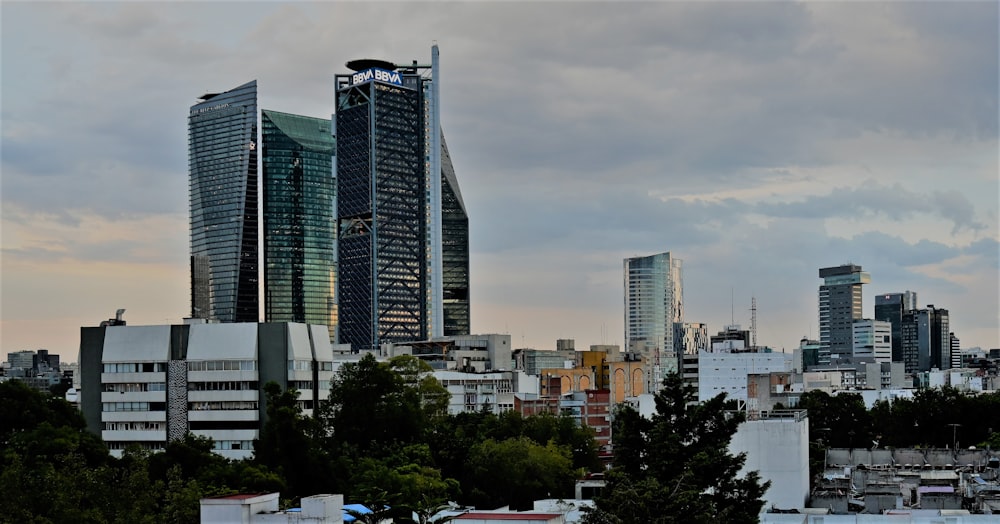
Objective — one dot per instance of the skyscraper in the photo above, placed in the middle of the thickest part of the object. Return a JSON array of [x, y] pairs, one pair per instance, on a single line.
[[222, 161], [653, 303], [299, 223], [926, 339], [890, 308], [839, 306], [403, 227]]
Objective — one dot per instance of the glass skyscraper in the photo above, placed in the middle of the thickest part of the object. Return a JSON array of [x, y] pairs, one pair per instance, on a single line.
[[402, 224], [839, 306], [454, 251], [299, 219], [654, 302], [890, 308], [222, 161]]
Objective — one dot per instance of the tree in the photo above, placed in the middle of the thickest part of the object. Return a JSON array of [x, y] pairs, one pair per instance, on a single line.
[[676, 467], [516, 471], [286, 445], [370, 410], [417, 374]]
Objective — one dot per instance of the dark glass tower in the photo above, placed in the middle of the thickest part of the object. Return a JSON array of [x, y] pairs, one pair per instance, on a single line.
[[926, 339], [382, 212], [890, 308], [454, 250], [299, 219], [222, 160], [403, 229]]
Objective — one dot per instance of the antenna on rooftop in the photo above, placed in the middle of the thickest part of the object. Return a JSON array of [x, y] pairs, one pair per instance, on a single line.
[[753, 322], [732, 306]]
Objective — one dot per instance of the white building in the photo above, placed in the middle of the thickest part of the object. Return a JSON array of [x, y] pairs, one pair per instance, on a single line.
[[777, 446], [494, 392], [727, 372], [872, 338], [263, 509], [147, 385], [476, 353]]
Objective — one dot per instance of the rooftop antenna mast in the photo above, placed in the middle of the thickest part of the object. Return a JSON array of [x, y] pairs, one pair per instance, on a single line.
[[732, 307], [753, 322]]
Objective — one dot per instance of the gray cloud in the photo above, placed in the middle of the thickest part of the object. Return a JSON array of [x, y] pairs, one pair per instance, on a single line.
[[574, 128]]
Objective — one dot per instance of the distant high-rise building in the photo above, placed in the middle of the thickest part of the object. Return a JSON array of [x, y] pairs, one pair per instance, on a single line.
[[872, 339], [222, 163], [300, 231], [926, 339], [890, 308], [839, 306], [403, 228], [654, 301], [956, 351]]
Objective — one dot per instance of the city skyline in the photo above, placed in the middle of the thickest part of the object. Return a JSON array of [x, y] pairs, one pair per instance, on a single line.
[[756, 142]]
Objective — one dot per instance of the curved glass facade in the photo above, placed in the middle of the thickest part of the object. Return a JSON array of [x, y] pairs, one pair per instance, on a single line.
[[222, 162], [299, 220], [654, 299]]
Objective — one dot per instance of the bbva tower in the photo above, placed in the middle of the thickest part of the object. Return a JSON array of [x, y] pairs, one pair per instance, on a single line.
[[403, 230]]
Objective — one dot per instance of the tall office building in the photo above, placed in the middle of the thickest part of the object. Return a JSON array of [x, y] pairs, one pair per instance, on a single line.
[[222, 161], [300, 231], [839, 306], [403, 227], [654, 299], [926, 339], [890, 307]]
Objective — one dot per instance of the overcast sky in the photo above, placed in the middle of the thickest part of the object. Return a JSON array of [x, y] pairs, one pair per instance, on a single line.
[[755, 141]]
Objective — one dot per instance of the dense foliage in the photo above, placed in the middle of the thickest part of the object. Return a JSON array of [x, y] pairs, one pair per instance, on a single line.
[[384, 438], [676, 467]]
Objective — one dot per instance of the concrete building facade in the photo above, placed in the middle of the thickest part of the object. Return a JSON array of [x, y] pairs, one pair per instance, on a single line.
[[147, 385]]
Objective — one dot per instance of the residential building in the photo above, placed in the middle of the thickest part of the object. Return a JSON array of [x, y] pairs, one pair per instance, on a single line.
[[890, 307], [222, 163], [402, 223], [300, 233], [147, 385], [872, 339], [654, 301], [840, 304]]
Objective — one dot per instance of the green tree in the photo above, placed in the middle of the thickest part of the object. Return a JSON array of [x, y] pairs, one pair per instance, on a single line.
[[676, 467], [287, 446], [517, 471], [370, 410], [417, 375]]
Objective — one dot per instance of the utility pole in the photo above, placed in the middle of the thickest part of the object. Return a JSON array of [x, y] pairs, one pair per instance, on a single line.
[[954, 437]]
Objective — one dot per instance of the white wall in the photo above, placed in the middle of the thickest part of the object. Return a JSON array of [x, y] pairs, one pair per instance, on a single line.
[[779, 449]]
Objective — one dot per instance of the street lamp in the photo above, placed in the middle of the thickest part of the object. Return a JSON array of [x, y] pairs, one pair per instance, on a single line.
[[954, 436]]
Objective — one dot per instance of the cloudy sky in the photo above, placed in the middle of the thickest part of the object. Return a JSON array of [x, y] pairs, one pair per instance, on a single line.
[[756, 141]]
